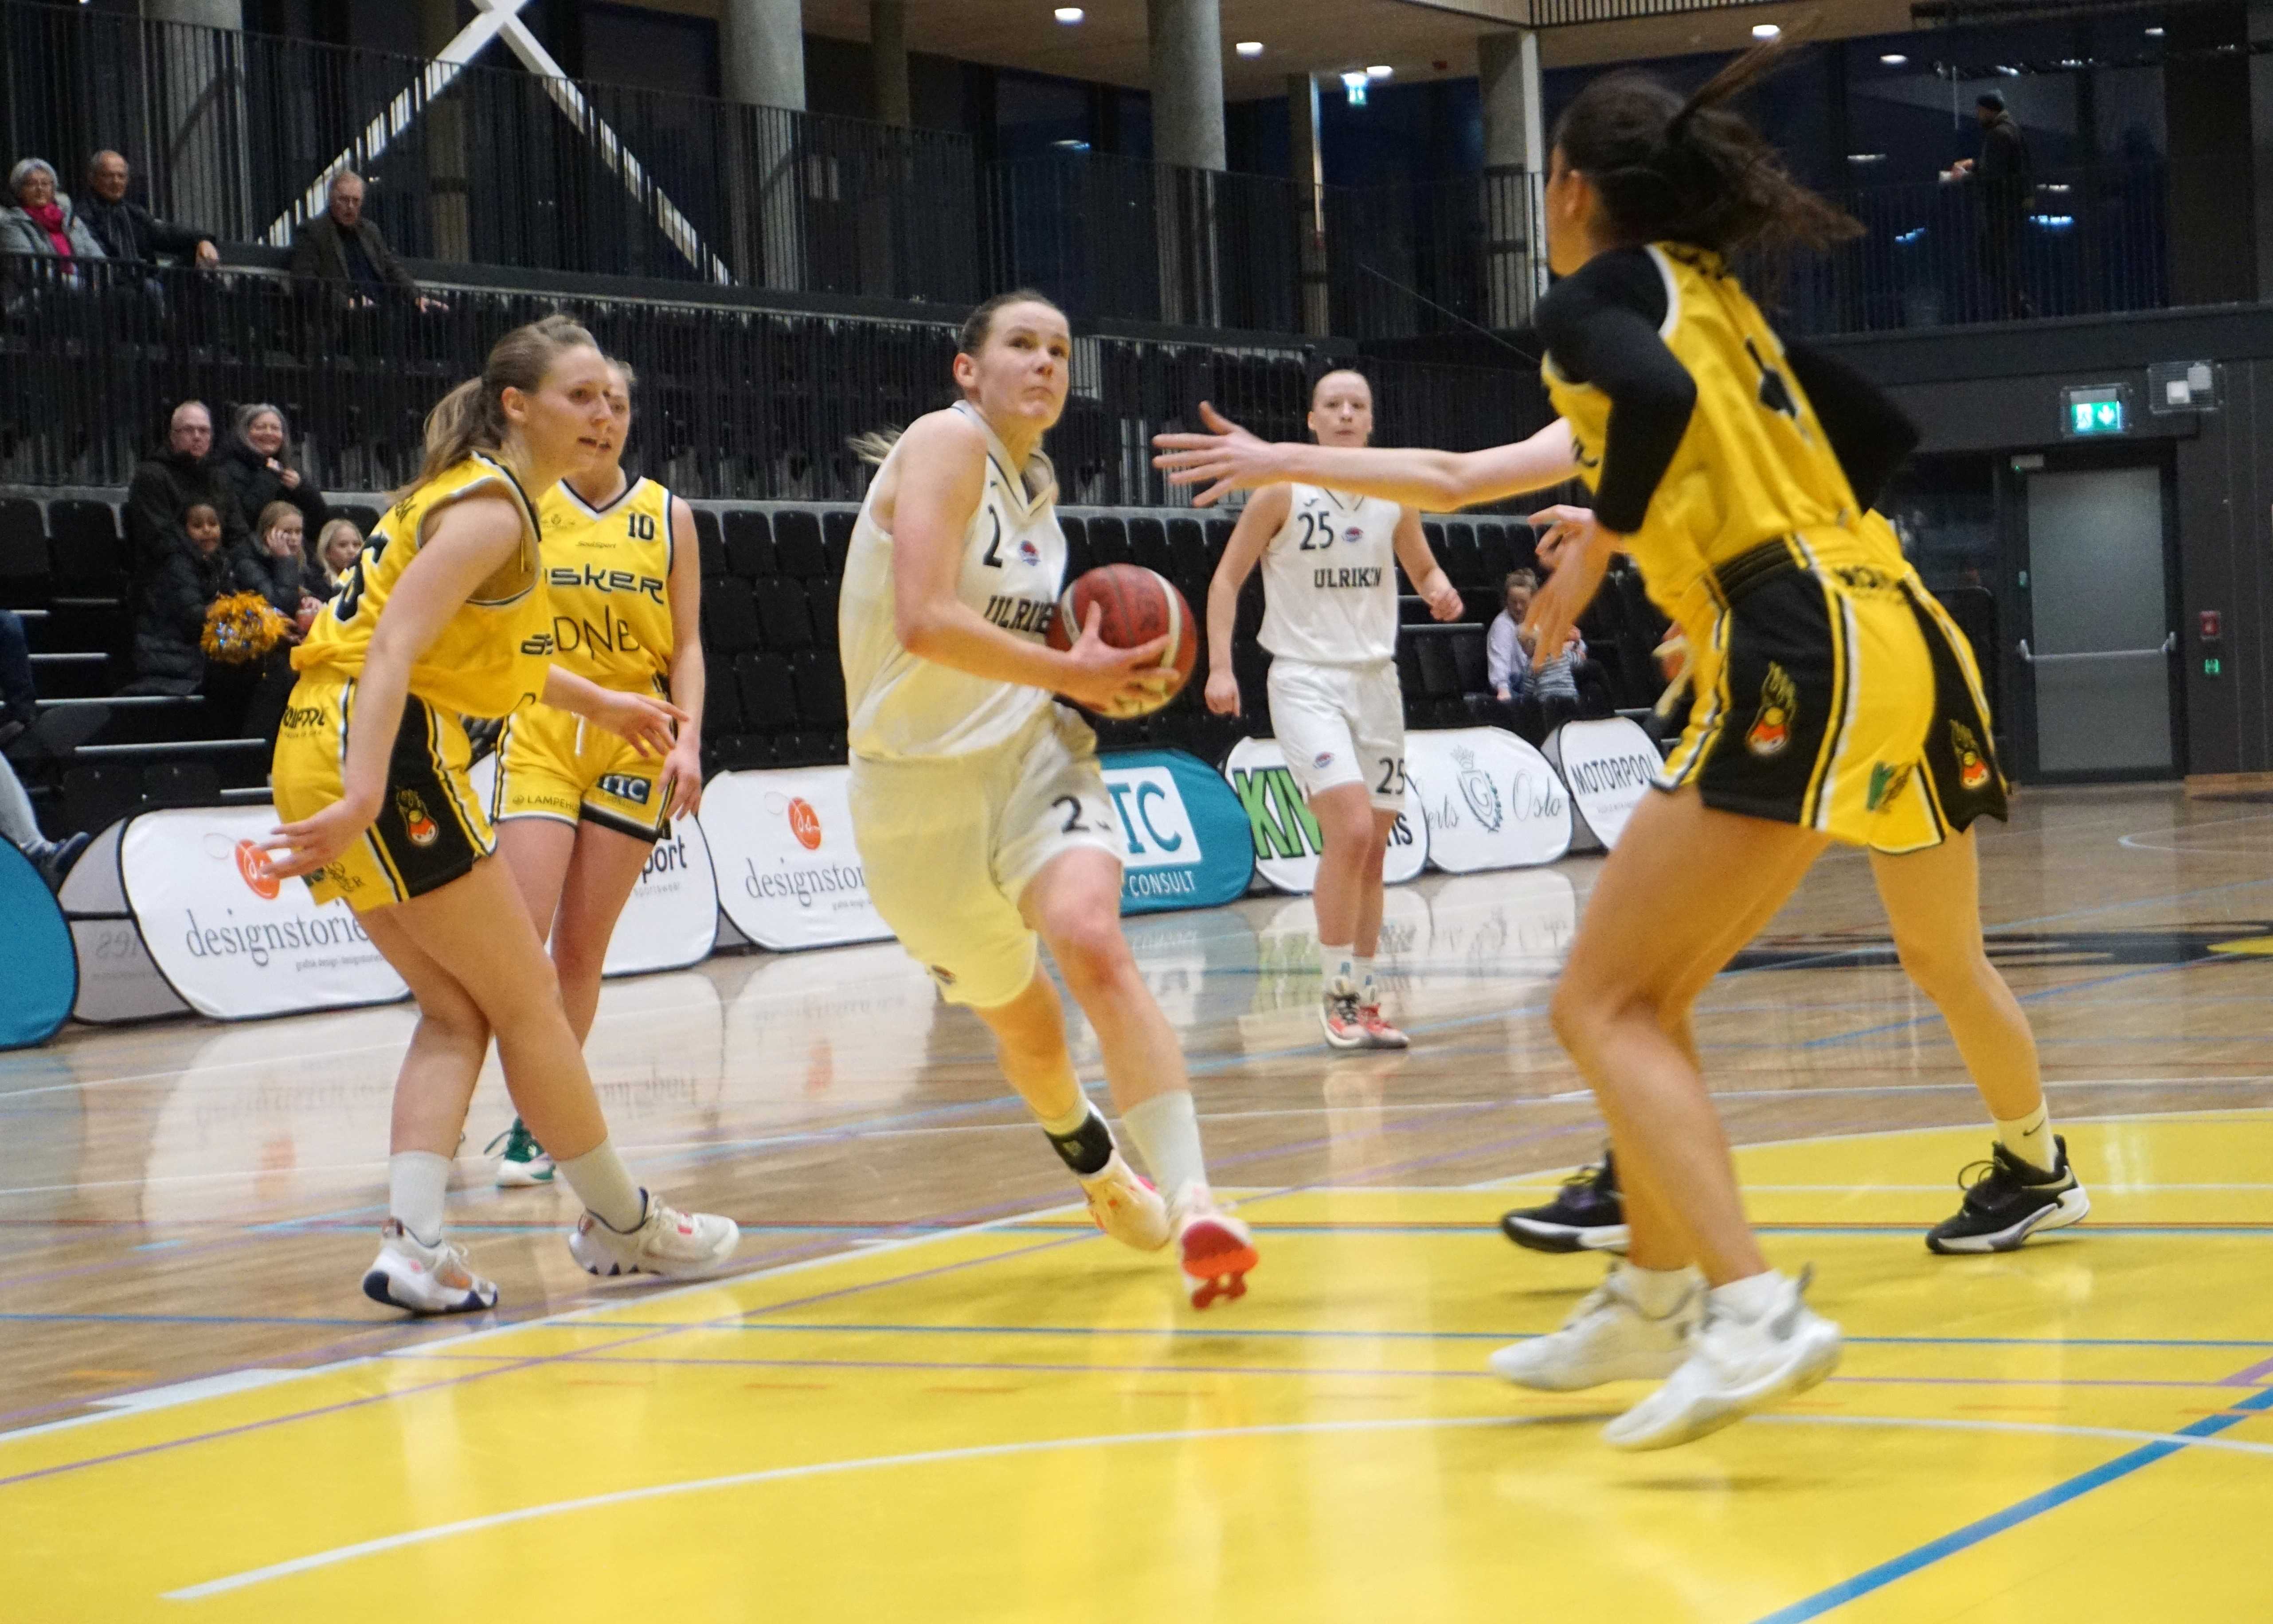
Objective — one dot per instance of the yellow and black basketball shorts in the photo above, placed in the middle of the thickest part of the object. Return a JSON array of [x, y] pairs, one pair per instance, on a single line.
[[431, 828], [1837, 697], [552, 764]]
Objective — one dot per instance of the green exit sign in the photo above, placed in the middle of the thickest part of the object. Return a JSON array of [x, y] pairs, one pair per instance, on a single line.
[[2096, 412]]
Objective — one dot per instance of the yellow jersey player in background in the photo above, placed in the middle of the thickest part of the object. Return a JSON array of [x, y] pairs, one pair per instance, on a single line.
[[445, 617], [578, 809]]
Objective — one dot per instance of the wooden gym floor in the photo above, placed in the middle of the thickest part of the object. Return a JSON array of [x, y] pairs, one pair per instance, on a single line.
[[933, 1391]]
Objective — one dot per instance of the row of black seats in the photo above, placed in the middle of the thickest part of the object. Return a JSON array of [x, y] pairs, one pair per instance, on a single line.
[[75, 547]]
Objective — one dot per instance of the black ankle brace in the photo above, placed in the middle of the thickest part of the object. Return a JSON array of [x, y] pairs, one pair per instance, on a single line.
[[1087, 1149]]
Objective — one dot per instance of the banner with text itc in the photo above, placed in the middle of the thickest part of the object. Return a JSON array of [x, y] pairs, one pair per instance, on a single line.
[[1285, 836], [789, 875], [1184, 837], [1492, 800], [1609, 766], [229, 936]]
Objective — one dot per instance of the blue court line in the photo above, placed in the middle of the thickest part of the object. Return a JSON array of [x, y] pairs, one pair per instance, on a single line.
[[2035, 1505]]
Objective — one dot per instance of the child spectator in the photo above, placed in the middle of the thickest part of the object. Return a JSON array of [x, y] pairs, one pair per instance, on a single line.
[[274, 565], [336, 549], [167, 655]]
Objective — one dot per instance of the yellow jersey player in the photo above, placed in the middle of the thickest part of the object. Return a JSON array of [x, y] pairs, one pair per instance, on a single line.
[[579, 809], [445, 617]]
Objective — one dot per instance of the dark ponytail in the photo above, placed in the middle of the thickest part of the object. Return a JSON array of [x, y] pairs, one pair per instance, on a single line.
[[1693, 171], [874, 446]]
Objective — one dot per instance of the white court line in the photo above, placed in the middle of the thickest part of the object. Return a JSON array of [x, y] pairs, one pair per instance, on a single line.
[[820, 1468]]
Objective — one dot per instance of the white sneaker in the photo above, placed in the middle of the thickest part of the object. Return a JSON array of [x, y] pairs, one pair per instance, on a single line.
[[1607, 1338], [1217, 1250], [409, 1274], [1735, 1366], [1124, 1205], [667, 1242]]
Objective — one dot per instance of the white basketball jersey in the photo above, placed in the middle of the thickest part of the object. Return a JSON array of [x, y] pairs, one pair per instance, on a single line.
[[1014, 562], [1330, 580]]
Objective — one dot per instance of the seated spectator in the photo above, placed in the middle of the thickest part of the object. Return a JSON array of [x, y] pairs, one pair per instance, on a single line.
[[1555, 684], [164, 487], [20, 824], [275, 565], [343, 250], [336, 551], [257, 463], [129, 231], [168, 634], [41, 219], [26, 728]]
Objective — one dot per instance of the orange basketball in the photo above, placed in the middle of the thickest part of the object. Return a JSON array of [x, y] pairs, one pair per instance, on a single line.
[[1135, 605]]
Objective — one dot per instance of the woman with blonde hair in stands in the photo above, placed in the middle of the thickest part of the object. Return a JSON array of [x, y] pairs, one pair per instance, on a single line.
[[445, 618], [337, 545]]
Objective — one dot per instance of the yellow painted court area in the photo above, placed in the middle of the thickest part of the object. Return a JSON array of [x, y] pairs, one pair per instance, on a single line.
[[1023, 1422]]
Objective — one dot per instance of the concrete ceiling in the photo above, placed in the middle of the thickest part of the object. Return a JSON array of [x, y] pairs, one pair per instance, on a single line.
[[1421, 38]]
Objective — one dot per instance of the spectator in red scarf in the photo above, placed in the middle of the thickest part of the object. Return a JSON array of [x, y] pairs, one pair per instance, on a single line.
[[42, 219]]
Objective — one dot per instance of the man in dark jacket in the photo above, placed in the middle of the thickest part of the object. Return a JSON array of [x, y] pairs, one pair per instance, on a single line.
[[343, 249], [129, 231], [2001, 186], [165, 486]]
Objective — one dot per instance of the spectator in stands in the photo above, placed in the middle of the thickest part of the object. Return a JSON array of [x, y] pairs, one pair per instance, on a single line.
[[275, 564], [42, 219], [343, 250], [257, 464], [169, 646], [20, 825], [164, 487], [129, 231], [28, 728], [337, 548], [1504, 662], [2001, 190]]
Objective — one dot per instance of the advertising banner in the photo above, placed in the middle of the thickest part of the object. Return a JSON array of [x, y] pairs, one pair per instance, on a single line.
[[233, 939], [117, 983], [671, 920], [1492, 801], [1285, 836], [37, 964], [1185, 841], [788, 874], [1607, 767]]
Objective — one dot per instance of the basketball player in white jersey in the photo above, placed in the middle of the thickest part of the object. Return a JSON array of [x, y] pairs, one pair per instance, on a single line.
[[978, 805], [1330, 622]]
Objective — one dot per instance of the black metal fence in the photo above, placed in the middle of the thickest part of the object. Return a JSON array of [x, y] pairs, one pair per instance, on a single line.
[[734, 403]]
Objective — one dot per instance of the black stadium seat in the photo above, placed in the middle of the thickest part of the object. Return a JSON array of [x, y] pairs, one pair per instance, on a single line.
[[1108, 542], [796, 544], [819, 682], [784, 615], [23, 554], [1497, 553], [749, 541], [1468, 663], [181, 783], [1079, 559], [837, 536], [95, 798], [709, 542], [721, 706], [1148, 545], [769, 698], [730, 618], [363, 517], [84, 546]]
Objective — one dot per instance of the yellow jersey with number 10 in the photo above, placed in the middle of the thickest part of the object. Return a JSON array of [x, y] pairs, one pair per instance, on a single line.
[[490, 657], [608, 573], [1754, 464]]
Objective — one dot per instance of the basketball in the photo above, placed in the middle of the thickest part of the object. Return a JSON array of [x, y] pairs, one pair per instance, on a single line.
[[1135, 606]]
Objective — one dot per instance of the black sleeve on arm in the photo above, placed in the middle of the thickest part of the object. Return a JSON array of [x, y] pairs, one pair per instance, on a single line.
[[1601, 327], [1869, 434]]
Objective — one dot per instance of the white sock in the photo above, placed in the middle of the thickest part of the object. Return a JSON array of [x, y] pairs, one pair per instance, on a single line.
[[1337, 968], [2030, 1138], [1656, 1291], [604, 1184], [1751, 1298], [416, 1181], [1168, 1131], [1366, 994]]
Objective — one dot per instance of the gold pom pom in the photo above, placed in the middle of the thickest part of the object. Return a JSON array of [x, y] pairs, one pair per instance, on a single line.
[[240, 628]]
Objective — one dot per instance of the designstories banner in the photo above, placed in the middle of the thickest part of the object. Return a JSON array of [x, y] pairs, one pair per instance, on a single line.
[[789, 875]]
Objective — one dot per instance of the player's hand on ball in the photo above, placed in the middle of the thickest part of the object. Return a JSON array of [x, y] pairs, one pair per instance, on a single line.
[[1223, 694], [647, 724], [1225, 458], [1114, 682]]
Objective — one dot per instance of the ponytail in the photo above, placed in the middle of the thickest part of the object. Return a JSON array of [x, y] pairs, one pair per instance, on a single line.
[[471, 418]]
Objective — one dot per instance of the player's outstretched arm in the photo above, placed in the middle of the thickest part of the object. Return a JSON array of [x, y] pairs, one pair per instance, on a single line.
[[1265, 517], [1228, 458]]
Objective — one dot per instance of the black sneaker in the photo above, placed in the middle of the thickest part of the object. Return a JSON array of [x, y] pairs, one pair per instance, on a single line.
[[1587, 1216], [2006, 1201], [55, 863]]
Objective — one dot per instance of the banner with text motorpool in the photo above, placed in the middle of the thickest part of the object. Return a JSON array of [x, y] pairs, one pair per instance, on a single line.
[[1285, 836], [1184, 835], [1608, 765], [1492, 800], [789, 875], [233, 939]]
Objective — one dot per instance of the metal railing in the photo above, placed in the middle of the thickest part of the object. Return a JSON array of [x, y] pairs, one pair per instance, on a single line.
[[734, 403]]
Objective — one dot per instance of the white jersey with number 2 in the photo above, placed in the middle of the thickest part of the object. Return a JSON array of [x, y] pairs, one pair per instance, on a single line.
[[1330, 580], [1014, 561]]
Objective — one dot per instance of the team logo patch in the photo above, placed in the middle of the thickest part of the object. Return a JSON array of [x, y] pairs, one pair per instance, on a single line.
[[804, 823], [252, 867], [624, 789], [1323, 760], [422, 829], [1972, 766], [1354, 535], [1771, 729], [1478, 790], [1028, 553], [1886, 784]]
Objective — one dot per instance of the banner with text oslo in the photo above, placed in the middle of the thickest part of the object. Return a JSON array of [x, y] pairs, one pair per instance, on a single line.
[[1492, 800]]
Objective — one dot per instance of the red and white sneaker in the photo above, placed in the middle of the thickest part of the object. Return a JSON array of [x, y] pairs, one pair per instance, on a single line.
[[1378, 1033], [1338, 1019], [1124, 1203], [668, 1242], [1218, 1251], [409, 1274]]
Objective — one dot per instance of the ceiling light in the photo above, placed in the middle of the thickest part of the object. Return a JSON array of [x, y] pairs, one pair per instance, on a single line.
[[1250, 47], [1765, 31], [1379, 70], [2154, 34], [1867, 157], [1894, 59], [1070, 14]]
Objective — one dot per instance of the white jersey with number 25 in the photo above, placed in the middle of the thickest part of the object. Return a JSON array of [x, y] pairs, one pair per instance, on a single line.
[[1330, 580]]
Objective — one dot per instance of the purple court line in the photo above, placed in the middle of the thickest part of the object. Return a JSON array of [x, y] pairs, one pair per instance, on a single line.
[[2251, 1375]]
